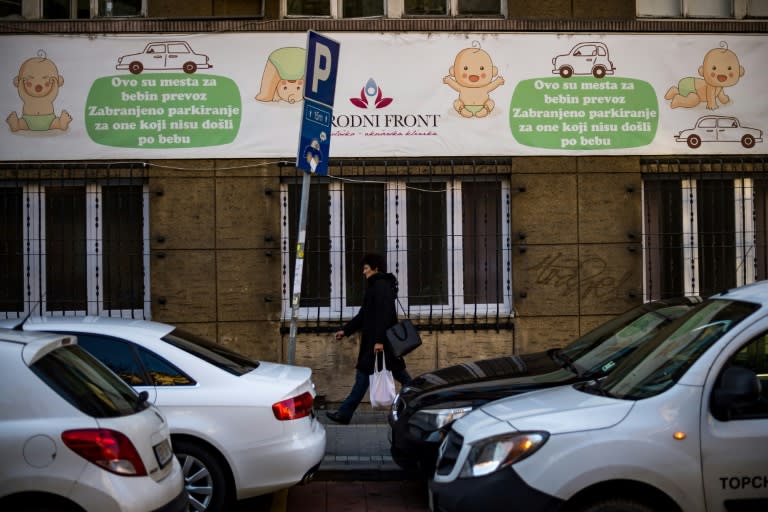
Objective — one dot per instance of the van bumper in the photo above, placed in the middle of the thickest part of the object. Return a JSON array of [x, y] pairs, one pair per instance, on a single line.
[[501, 491]]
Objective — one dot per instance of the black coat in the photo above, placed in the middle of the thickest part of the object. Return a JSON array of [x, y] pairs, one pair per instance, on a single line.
[[376, 315]]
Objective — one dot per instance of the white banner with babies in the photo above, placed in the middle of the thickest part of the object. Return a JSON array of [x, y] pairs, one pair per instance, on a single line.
[[398, 95]]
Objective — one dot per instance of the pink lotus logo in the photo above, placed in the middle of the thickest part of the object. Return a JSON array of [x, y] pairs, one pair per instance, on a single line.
[[370, 94]]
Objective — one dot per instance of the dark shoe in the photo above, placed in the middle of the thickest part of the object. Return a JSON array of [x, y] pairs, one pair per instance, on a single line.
[[336, 417]]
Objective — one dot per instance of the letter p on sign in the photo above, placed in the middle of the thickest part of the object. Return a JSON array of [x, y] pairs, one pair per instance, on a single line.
[[321, 71], [321, 67]]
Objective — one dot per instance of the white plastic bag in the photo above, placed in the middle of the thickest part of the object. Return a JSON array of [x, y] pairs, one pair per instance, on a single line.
[[382, 385]]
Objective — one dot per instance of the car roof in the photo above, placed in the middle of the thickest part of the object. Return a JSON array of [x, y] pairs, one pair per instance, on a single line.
[[94, 323], [35, 345], [755, 292], [26, 337]]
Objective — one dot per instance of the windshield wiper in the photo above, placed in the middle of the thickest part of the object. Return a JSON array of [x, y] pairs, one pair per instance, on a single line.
[[597, 388], [563, 360]]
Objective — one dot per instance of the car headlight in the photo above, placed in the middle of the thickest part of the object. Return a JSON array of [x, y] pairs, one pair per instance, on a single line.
[[430, 420], [498, 452]]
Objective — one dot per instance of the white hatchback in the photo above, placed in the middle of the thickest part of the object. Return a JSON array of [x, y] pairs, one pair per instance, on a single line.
[[241, 428], [73, 436]]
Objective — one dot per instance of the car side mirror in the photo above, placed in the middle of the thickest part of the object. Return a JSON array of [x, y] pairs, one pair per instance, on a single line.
[[141, 400], [739, 387]]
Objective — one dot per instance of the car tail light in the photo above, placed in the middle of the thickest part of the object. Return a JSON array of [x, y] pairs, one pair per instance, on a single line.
[[294, 408], [109, 449]]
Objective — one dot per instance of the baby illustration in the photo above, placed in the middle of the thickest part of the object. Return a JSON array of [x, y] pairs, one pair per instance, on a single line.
[[720, 69], [38, 84], [473, 76], [283, 78]]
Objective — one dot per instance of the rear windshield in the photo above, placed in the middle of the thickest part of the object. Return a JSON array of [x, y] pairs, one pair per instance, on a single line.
[[221, 357], [87, 384]]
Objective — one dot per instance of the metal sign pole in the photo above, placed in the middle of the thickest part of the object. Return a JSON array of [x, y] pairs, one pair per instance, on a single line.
[[298, 268], [320, 67]]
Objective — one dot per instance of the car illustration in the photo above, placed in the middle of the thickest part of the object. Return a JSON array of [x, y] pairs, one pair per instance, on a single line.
[[589, 58], [719, 129], [164, 55]]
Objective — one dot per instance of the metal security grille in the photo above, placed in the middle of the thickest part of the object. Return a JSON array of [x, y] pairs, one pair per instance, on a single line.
[[443, 227], [705, 225], [74, 240]]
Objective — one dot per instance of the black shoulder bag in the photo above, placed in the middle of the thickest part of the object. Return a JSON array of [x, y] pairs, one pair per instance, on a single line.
[[403, 337]]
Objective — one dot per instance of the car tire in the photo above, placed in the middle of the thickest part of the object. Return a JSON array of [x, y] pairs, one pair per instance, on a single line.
[[189, 67], [693, 141], [204, 477], [748, 141], [566, 72], [616, 505], [135, 67], [599, 72]]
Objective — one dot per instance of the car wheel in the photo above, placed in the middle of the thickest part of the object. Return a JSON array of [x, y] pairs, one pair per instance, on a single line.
[[135, 67], [748, 141], [616, 505], [189, 67], [203, 476], [694, 141], [566, 72], [598, 72]]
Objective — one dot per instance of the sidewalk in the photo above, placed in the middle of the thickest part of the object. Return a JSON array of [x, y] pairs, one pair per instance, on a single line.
[[358, 451]]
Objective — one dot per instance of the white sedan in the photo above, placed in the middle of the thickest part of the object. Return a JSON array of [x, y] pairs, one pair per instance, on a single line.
[[239, 427]]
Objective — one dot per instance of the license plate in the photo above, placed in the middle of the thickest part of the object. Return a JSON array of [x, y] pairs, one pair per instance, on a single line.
[[163, 453]]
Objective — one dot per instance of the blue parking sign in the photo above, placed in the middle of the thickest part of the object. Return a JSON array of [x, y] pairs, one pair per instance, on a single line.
[[319, 91], [321, 68]]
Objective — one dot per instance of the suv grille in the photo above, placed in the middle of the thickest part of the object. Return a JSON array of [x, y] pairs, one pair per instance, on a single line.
[[449, 452]]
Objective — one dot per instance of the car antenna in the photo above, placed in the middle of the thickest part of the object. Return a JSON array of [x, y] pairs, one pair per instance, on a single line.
[[20, 325]]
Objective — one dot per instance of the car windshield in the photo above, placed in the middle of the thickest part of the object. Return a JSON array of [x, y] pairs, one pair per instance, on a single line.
[[213, 353], [87, 384], [610, 351], [662, 361], [628, 324]]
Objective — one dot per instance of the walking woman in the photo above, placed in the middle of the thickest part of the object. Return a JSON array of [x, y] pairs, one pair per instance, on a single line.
[[376, 315]]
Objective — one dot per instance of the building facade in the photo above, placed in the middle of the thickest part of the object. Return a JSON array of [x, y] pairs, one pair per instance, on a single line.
[[587, 167]]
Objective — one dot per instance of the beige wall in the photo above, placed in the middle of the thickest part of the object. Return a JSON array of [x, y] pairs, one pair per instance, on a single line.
[[216, 265]]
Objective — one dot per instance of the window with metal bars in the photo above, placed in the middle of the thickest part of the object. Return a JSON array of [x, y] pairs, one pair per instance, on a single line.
[[445, 238], [704, 232], [378, 8], [74, 247]]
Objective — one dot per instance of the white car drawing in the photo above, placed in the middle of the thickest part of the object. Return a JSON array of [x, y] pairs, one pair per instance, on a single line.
[[164, 55], [719, 129], [589, 58]]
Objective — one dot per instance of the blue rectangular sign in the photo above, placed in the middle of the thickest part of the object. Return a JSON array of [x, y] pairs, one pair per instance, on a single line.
[[319, 91], [315, 139], [321, 68]]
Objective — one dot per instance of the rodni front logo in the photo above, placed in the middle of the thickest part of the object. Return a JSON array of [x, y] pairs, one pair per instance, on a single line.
[[371, 96]]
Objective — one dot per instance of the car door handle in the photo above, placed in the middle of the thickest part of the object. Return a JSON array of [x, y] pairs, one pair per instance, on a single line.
[[173, 56], [157, 56]]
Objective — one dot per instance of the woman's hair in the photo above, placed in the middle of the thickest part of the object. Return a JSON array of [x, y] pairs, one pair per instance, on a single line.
[[375, 261]]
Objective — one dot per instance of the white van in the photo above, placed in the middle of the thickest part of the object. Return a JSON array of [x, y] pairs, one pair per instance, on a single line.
[[681, 425]]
